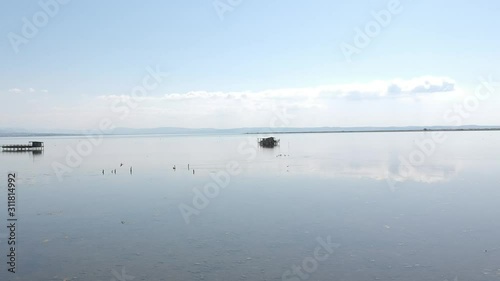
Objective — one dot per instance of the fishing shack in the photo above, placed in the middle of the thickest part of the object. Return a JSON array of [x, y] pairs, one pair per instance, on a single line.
[[269, 142]]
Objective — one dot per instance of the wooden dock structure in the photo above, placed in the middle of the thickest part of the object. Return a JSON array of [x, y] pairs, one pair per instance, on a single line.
[[32, 146]]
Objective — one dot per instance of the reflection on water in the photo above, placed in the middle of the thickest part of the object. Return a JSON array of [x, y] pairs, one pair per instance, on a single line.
[[390, 219], [33, 153]]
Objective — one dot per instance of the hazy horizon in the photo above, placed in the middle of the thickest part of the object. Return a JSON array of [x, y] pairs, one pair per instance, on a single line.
[[241, 130]]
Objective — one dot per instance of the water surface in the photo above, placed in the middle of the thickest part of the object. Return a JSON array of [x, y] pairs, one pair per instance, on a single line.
[[438, 220]]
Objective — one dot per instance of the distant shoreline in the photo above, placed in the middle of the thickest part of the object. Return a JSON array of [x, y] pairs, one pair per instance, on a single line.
[[376, 131], [222, 133]]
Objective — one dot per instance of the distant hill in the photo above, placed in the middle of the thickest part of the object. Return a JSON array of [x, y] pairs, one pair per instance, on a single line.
[[9, 132], [263, 130]]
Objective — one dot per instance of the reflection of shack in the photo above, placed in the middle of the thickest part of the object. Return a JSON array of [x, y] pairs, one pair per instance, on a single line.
[[269, 142]]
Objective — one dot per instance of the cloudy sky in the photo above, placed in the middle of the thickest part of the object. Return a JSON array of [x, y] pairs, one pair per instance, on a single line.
[[239, 63]]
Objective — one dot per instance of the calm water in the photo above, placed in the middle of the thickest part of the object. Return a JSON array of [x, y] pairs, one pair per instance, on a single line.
[[438, 219]]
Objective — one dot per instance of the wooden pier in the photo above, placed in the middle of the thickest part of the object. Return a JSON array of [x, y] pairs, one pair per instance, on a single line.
[[32, 146]]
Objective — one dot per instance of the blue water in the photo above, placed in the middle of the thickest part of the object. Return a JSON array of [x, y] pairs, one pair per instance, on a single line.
[[261, 211]]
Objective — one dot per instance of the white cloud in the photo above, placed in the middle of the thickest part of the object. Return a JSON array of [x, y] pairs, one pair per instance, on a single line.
[[377, 89], [421, 101], [344, 104], [15, 91], [29, 90]]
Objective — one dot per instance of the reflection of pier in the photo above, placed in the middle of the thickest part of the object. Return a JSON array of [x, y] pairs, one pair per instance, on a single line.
[[34, 146]]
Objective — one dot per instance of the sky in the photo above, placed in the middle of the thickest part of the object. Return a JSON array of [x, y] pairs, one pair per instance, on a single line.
[[69, 64]]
